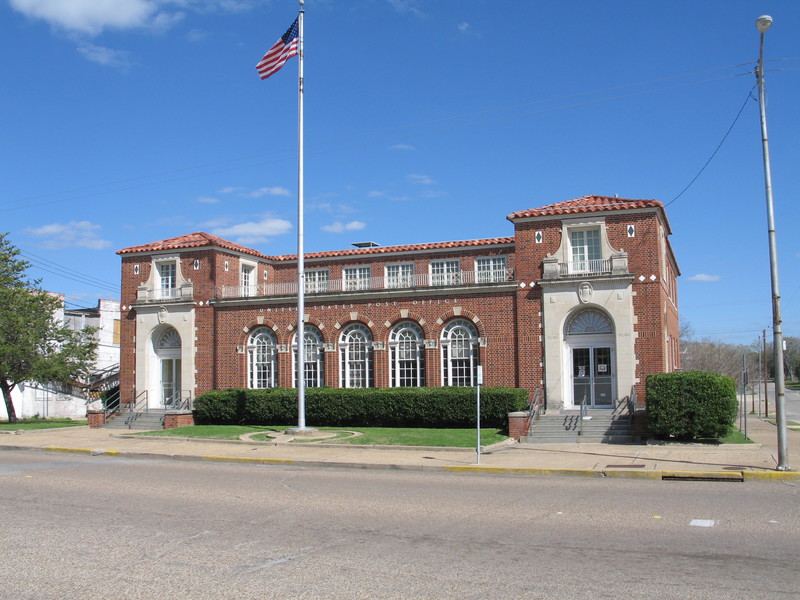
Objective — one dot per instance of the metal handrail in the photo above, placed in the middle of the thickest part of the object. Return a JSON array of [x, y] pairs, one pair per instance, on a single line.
[[369, 283], [587, 266], [110, 407], [183, 401], [632, 403], [534, 407], [139, 406], [584, 412]]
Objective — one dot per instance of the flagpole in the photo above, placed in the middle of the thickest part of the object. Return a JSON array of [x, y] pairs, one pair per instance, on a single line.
[[301, 287]]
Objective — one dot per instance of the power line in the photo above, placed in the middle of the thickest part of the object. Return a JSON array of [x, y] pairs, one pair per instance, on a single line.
[[48, 266], [713, 154]]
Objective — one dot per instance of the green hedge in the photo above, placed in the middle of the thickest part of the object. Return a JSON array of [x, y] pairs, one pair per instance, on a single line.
[[690, 405], [447, 407]]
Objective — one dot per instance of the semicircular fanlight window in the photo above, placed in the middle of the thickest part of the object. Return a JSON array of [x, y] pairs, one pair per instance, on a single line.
[[169, 339], [588, 322]]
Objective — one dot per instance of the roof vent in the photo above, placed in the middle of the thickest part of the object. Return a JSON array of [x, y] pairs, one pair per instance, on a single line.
[[365, 244]]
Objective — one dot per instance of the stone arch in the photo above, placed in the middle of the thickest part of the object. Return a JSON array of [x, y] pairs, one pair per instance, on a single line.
[[407, 315], [462, 313], [256, 324]]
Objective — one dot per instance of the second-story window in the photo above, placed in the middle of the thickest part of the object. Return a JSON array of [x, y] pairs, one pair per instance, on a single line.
[[356, 278], [491, 269], [167, 279], [400, 276], [445, 272], [585, 254], [317, 281], [248, 280]]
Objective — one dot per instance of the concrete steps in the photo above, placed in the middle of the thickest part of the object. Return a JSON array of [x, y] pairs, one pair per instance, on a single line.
[[150, 421], [565, 428]]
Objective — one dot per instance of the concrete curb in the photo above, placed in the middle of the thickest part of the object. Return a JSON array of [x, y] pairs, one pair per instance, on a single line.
[[739, 475]]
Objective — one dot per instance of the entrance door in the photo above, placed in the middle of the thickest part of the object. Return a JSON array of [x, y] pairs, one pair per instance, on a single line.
[[592, 376], [170, 381]]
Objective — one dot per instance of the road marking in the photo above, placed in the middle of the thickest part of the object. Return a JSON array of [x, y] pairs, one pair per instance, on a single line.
[[702, 523]]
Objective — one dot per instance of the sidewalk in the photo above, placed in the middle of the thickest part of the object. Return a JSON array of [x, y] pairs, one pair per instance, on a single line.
[[695, 461]]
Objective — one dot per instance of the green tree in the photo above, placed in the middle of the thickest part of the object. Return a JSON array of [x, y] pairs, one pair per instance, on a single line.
[[34, 346]]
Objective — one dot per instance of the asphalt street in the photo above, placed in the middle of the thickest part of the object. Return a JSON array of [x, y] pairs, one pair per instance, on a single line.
[[85, 527]]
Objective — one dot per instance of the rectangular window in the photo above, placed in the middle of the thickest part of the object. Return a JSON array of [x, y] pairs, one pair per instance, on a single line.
[[491, 269], [445, 272], [586, 253], [167, 280], [317, 281], [356, 278], [400, 276], [248, 280]]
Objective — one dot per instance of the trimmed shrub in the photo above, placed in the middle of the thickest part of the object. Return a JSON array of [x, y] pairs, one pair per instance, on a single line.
[[448, 407], [690, 405]]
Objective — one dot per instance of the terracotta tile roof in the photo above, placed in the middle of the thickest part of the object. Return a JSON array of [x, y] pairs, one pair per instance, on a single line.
[[406, 248], [587, 204], [200, 239], [192, 240]]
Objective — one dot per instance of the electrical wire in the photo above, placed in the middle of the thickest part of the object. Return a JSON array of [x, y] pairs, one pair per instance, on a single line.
[[713, 154]]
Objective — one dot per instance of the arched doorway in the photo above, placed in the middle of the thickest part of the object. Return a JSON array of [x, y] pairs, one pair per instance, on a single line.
[[167, 346], [589, 337]]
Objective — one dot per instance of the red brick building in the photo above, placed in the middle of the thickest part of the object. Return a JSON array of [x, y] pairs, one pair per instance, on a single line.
[[581, 301]]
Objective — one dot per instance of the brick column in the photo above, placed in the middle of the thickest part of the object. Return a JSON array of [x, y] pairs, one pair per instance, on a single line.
[[518, 424]]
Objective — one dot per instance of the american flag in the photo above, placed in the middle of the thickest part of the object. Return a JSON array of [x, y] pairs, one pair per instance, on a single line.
[[283, 50]]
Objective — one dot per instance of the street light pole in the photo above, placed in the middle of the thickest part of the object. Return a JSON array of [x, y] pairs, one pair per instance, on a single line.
[[763, 23]]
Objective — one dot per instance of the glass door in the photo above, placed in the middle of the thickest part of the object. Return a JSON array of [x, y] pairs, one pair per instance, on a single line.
[[170, 381], [593, 376]]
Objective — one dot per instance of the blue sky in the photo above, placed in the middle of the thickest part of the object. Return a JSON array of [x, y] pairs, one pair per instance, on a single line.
[[129, 121]]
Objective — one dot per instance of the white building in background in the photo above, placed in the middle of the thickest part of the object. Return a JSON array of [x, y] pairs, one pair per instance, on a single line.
[[56, 400]]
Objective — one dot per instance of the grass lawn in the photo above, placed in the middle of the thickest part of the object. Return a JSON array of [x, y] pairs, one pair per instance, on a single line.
[[793, 385], [211, 432], [400, 436], [24, 424], [735, 437], [382, 436]]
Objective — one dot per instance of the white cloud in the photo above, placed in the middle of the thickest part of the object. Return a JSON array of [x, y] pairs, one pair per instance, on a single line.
[[704, 277], [464, 27], [255, 231], [339, 227], [207, 200], [104, 56], [93, 16], [375, 194], [230, 190], [215, 223], [268, 191], [428, 194], [75, 234], [197, 35], [406, 6], [402, 147], [420, 179]]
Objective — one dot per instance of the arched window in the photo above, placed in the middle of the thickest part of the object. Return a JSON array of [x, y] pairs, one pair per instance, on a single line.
[[589, 321], [406, 355], [169, 340], [261, 359], [313, 357], [459, 353], [355, 357]]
